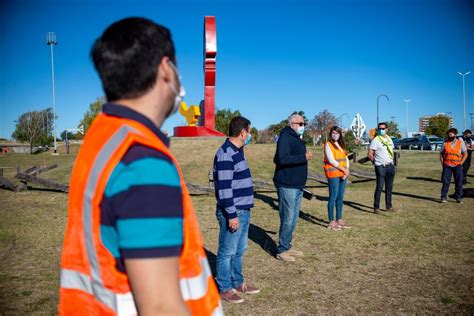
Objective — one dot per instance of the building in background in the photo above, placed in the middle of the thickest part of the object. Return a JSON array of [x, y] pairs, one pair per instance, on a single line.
[[424, 121]]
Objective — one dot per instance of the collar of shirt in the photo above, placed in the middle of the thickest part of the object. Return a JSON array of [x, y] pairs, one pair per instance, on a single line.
[[125, 112], [232, 145]]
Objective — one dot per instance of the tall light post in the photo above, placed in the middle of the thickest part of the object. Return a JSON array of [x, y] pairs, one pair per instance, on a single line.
[[464, 94], [406, 103], [382, 95], [51, 41]]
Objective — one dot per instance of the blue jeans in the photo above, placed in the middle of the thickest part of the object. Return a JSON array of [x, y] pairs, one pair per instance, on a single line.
[[232, 246], [458, 181], [337, 187], [289, 202]]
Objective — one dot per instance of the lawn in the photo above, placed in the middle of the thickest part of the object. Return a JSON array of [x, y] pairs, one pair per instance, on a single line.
[[419, 260]]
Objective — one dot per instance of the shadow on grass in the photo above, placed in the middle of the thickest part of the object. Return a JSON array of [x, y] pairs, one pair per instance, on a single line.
[[260, 236], [424, 179], [355, 205], [426, 198]]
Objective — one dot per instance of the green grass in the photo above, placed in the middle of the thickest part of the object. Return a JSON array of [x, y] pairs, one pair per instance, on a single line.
[[416, 261]]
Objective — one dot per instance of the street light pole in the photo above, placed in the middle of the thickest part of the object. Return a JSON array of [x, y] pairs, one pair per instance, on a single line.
[[406, 103], [51, 41], [464, 94], [382, 95]]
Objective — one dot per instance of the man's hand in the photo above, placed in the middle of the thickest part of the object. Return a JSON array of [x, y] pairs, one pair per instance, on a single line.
[[233, 224], [308, 156]]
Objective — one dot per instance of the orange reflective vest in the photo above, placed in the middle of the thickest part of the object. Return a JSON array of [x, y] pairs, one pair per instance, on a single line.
[[452, 156], [90, 283], [340, 156]]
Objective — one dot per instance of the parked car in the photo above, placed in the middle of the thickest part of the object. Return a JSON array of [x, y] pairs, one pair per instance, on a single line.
[[409, 143], [395, 141], [430, 143]]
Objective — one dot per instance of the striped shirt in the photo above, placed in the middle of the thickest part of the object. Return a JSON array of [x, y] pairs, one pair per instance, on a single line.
[[142, 206], [232, 180]]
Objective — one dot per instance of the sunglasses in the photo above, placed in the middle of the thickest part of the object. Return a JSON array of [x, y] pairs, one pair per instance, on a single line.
[[300, 124], [382, 128]]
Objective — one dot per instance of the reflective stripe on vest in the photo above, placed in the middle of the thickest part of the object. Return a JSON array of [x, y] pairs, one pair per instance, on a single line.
[[123, 304]]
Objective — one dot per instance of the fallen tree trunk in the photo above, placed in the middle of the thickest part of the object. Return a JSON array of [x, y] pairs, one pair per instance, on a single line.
[[43, 182]]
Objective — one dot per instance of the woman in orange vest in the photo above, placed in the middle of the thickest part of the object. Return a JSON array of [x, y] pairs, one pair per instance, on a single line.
[[132, 243], [336, 169]]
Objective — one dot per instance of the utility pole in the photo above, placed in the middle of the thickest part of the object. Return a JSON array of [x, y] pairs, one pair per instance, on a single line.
[[51, 41]]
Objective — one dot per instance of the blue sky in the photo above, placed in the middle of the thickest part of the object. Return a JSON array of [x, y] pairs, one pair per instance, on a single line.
[[273, 56]]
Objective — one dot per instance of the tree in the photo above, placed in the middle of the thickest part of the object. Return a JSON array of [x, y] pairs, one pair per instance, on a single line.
[[254, 133], [321, 123], [392, 129], [438, 125], [223, 118], [94, 109], [70, 135], [34, 127]]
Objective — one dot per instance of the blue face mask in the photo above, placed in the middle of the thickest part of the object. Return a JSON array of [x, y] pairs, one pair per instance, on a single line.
[[249, 139], [301, 130], [381, 132]]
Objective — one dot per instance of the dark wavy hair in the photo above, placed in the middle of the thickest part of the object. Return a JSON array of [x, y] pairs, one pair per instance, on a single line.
[[341, 141]]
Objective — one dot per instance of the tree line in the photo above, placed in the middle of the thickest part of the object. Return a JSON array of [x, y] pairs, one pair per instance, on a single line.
[[36, 127]]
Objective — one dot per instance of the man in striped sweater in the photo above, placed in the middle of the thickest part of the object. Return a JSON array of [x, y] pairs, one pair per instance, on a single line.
[[234, 195]]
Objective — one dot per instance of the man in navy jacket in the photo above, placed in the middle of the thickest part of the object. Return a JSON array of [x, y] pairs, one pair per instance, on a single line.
[[291, 172]]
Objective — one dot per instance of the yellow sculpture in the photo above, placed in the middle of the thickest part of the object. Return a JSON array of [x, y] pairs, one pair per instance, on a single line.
[[191, 114]]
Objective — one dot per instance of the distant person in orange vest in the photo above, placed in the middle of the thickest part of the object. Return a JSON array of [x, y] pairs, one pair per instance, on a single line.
[[336, 169], [132, 243], [452, 156], [382, 155]]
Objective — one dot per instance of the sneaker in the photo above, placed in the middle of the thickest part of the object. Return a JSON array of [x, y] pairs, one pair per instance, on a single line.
[[247, 289], [343, 224], [334, 226], [459, 201], [284, 256], [232, 297], [391, 209], [443, 200], [295, 253], [376, 211]]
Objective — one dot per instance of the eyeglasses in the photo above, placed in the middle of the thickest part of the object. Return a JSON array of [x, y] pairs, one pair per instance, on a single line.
[[299, 123], [382, 128]]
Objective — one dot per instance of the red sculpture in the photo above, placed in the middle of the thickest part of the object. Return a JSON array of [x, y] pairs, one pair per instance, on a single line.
[[207, 120]]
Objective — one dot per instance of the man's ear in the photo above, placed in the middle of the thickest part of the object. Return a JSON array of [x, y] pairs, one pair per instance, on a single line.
[[165, 71]]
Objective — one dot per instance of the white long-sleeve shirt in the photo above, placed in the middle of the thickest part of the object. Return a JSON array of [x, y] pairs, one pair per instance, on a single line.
[[330, 156]]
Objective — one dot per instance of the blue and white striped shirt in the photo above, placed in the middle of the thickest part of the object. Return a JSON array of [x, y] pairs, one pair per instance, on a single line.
[[232, 180]]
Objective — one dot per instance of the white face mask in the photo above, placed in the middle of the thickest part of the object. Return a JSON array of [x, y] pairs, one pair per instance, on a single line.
[[178, 96]]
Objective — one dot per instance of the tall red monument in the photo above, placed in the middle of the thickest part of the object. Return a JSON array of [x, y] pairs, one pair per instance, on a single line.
[[207, 120]]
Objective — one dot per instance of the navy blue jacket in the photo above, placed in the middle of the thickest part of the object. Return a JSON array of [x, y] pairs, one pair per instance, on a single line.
[[291, 169]]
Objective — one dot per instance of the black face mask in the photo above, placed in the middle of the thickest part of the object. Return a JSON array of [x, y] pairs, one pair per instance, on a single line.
[[451, 138]]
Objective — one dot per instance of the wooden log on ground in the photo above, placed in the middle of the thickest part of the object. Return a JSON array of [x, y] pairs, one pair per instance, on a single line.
[[37, 169], [363, 160], [43, 182], [363, 174], [4, 182]]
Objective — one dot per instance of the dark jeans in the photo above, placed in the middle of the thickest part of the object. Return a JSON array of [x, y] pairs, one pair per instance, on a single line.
[[465, 167], [385, 175], [446, 179]]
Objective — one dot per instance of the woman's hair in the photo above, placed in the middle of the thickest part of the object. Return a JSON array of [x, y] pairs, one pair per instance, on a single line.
[[341, 138]]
